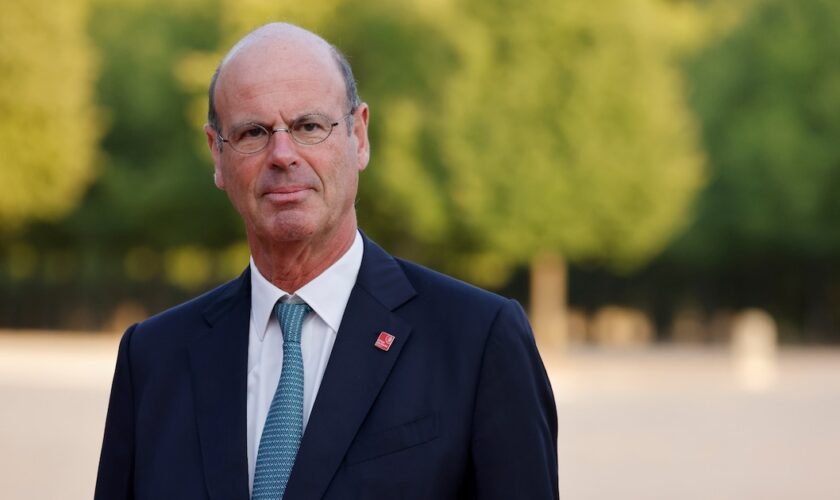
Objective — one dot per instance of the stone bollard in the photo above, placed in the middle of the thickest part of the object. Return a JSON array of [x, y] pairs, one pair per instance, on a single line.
[[754, 349], [689, 325], [616, 326], [124, 315], [577, 326]]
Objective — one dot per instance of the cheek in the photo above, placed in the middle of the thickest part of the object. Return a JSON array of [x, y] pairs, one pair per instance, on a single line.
[[347, 184], [237, 182], [346, 174]]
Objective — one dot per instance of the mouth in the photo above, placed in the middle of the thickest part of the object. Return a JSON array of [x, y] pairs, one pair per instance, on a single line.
[[287, 194]]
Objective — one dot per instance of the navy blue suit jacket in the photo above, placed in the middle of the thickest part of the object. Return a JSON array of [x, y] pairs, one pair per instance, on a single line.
[[458, 407]]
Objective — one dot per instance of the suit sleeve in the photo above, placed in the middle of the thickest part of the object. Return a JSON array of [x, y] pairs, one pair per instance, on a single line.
[[514, 442], [116, 462]]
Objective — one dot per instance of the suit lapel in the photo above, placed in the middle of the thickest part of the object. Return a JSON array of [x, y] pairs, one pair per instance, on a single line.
[[218, 363], [355, 373]]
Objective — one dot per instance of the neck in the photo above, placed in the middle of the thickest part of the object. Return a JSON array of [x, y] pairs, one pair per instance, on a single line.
[[289, 265]]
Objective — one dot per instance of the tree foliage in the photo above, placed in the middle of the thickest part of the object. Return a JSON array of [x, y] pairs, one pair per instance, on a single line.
[[566, 130], [157, 182], [768, 96], [50, 127]]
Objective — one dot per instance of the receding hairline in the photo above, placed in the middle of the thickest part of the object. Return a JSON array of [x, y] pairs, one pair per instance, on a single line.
[[282, 31], [274, 31]]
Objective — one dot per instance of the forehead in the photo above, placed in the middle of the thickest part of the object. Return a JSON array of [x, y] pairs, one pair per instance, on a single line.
[[283, 76]]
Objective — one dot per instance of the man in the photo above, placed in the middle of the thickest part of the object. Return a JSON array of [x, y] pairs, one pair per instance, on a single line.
[[329, 369]]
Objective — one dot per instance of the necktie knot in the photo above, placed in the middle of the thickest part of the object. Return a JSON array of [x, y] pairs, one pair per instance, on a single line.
[[290, 316]]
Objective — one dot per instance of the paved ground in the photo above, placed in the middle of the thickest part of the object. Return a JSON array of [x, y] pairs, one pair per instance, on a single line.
[[679, 424], [53, 398], [665, 423]]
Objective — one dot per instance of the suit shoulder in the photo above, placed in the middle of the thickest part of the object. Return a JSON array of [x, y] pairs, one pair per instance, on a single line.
[[181, 317], [429, 281], [479, 316], [197, 306]]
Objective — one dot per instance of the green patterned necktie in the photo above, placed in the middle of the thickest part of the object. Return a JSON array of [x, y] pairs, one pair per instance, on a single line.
[[283, 428]]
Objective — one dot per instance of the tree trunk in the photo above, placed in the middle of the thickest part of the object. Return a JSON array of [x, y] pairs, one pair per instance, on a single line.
[[548, 300]]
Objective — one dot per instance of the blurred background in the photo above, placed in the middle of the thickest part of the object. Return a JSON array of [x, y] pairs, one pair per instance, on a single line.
[[657, 181]]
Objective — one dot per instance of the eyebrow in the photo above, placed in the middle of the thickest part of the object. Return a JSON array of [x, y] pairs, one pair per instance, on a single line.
[[248, 122], [267, 126]]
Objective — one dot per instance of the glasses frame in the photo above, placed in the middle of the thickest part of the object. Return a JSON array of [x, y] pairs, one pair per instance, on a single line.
[[271, 131]]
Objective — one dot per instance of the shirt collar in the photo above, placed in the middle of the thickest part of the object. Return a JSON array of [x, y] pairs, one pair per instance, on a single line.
[[327, 294]]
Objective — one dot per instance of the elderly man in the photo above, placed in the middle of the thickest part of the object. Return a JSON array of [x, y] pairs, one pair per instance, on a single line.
[[328, 369]]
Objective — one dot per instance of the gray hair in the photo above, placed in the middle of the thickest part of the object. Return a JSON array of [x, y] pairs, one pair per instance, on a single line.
[[353, 99]]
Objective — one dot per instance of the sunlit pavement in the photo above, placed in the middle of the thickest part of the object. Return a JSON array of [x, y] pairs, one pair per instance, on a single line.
[[53, 398], [679, 423], [662, 423]]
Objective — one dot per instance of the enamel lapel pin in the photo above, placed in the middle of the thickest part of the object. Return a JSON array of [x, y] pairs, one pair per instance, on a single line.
[[384, 341]]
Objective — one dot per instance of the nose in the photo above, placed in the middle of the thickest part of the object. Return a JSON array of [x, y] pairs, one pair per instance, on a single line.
[[282, 148]]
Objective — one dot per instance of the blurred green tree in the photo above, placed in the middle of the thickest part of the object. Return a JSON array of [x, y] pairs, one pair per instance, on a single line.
[[154, 200], [157, 185], [49, 128], [566, 136], [768, 96]]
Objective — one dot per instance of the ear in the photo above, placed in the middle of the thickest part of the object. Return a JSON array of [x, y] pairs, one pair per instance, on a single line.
[[360, 131], [216, 152]]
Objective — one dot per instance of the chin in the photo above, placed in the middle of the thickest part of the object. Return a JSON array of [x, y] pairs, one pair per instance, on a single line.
[[289, 228]]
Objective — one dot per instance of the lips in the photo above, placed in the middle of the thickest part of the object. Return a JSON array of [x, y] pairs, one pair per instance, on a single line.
[[287, 194], [287, 189]]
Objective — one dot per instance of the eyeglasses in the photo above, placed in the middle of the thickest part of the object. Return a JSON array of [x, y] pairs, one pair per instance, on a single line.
[[250, 138]]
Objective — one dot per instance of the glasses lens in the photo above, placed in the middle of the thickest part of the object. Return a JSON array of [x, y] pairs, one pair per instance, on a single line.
[[311, 129], [249, 138]]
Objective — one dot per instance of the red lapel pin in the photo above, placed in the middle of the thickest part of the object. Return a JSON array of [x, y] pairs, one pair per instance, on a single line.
[[384, 341]]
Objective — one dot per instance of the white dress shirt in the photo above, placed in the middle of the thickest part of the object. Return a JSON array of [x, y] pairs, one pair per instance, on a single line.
[[327, 295]]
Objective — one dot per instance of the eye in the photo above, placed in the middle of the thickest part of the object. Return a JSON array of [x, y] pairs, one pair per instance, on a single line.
[[248, 132], [310, 124]]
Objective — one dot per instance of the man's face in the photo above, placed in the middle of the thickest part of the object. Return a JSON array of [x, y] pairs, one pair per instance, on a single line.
[[289, 191]]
